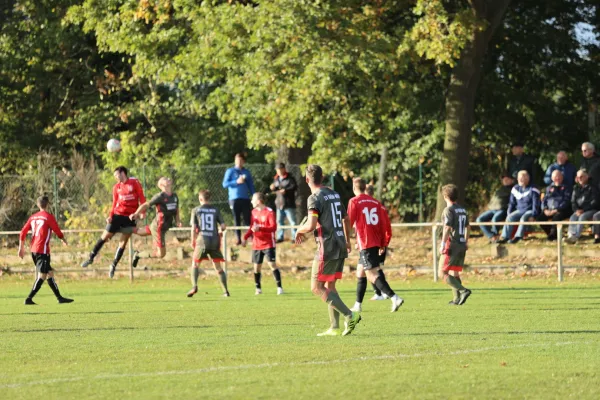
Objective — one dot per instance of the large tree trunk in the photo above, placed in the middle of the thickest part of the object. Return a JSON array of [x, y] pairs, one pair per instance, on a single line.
[[460, 100]]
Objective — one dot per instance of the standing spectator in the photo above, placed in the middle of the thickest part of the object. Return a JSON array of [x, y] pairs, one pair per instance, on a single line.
[[240, 186], [556, 205], [591, 162], [585, 202], [521, 162], [496, 209], [524, 205], [563, 165], [285, 186]]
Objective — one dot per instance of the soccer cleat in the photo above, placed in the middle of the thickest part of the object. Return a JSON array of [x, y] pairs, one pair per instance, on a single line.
[[376, 297], [279, 291], [29, 302], [136, 259], [258, 291], [464, 296], [111, 271], [87, 263], [453, 302], [385, 296], [194, 291], [396, 303], [64, 300], [330, 332], [226, 294], [351, 323], [357, 307]]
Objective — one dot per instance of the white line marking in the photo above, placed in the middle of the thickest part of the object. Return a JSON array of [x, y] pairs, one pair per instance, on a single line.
[[284, 364]]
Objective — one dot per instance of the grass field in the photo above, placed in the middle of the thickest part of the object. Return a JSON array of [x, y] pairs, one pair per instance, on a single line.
[[518, 339]]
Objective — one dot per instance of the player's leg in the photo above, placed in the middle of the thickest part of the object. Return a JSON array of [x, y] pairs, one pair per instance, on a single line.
[[271, 257], [361, 287], [222, 276], [453, 265], [383, 285], [39, 278], [54, 286], [194, 270], [257, 260], [119, 253], [105, 237]]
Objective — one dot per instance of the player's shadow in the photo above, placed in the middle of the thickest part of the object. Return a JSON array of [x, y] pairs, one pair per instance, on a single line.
[[499, 333], [71, 312], [99, 329]]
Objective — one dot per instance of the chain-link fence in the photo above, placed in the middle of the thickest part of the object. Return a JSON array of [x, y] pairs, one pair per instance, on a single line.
[[81, 197]]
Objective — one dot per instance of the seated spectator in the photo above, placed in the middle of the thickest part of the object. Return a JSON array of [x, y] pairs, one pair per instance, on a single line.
[[563, 165], [585, 202], [556, 205], [521, 161], [591, 162], [524, 205], [496, 209]]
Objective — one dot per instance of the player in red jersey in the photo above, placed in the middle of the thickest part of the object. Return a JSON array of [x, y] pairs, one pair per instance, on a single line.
[[263, 227], [373, 232], [127, 196], [41, 224]]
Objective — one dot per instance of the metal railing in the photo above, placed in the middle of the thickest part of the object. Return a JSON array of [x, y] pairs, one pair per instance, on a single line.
[[432, 225]]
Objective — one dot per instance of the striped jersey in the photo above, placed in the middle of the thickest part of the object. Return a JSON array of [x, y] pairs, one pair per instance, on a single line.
[[41, 225], [327, 206]]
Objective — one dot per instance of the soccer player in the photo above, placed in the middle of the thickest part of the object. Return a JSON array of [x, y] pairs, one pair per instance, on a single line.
[[127, 196], [328, 220], [373, 233], [41, 224], [262, 228], [206, 241], [167, 210], [454, 243], [377, 293]]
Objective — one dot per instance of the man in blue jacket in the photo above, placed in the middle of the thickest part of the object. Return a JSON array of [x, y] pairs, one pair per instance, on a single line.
[[563, 165], [524, 205], [556, 205], [240, 187]]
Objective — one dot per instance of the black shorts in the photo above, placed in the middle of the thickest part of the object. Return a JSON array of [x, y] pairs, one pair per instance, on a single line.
[[259, 255], [382, 258], [42, 262], [370, 258], [120, 223]]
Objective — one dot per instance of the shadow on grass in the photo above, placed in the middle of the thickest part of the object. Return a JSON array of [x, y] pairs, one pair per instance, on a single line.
[[574, 332], [71, 312]]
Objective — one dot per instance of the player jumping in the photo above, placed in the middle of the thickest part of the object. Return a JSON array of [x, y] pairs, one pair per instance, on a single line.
[[373, 232], [206, 241], [167, 210], [454, 243], [127, 196], [41, 224], [328, 219], [262, 228]]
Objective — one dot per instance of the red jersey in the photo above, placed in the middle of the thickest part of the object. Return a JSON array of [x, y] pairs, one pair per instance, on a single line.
[[371, 222], [265, 237], [127, 197], [41, 224]]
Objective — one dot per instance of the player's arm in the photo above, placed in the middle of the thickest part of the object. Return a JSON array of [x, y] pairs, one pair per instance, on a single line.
[[195, 228], [228, 182], [310, 225], [114, 204], [271, 225], [141, 209], [250, 232], [346, 225], [387, 226], [445, 236], [22, 236], [467, 230], [56, 229]]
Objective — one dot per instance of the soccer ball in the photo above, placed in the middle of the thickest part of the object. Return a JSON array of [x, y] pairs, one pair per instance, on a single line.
[[113, 145]]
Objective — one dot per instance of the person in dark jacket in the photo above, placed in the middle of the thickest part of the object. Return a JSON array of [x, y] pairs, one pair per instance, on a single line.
[[584, 201], [556, 205], [524, 205], [563, 165], [496, 209], [591, 162], [285, 186], [521, 162]]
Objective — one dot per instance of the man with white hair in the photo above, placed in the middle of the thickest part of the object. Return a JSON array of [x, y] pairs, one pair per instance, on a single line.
[[591, 162], [585, 202], [556, 205], [563, 165], [524, 205]]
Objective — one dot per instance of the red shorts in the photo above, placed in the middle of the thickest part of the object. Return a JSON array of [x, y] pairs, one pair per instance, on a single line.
[[448, 267]]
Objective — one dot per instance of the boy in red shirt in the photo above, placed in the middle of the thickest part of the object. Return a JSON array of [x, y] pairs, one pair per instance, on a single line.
[[42, 224], [373, 233], [263, 227], [127, 197]]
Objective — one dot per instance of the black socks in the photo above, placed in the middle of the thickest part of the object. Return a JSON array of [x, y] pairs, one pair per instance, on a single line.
[[385, 288], [118, 256], [96, 249], [277, 277], [36, 287], [54, 287], [361, 288], [257, 279]]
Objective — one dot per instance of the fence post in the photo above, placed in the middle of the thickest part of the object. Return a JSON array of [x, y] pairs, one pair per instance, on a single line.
[[131, 260], [434, 251], [225, 250], [55, 186], [559, 236], [420, 191]]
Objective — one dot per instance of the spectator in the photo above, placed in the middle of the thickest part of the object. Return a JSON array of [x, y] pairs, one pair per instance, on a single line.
[[240, 186], [585, 204], [285, 186], [524, 205], [591, 162], [556, 205], [563, 165], [496, 209], [521, 162]]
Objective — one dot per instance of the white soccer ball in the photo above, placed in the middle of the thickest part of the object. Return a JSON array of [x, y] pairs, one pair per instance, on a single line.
[[113, 145]]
